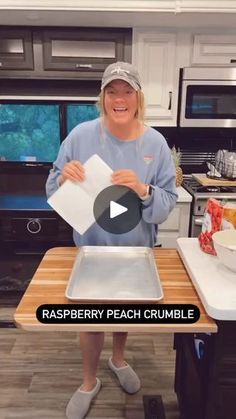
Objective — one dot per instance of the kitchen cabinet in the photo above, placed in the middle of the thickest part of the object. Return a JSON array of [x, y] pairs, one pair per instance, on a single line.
[[206, 364], [177, 224], [154, 57], [16, 51], [192, 373], [84, 50], [205, 384], [213, 49], [158, 58], [62, 53]]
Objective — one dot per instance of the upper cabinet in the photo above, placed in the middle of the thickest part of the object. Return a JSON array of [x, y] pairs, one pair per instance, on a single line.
[[159, 56], [214, 49], [16, 49], [158, 59], [84, 50], [154, 56], [82, 53], [62, 52]]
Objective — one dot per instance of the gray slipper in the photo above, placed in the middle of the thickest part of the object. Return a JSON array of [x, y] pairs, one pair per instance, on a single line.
[[80, 402], [127, 377]]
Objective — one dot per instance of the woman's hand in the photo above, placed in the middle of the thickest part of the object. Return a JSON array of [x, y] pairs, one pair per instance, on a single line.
[[73, 171], [130, 179]]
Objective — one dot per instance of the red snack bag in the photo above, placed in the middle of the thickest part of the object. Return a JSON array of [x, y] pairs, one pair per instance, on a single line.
[[212, 223]]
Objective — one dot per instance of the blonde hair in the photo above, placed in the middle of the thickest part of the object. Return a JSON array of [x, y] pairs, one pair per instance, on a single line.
[[140, 113]]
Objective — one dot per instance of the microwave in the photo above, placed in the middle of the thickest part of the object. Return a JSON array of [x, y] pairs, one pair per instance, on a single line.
[[207, 97]]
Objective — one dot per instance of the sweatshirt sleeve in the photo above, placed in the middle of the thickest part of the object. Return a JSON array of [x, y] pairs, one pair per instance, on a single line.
[[164, 196], [63, 157]]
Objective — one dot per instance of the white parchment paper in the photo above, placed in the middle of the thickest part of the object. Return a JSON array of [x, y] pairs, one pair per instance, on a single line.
[[74, 201]]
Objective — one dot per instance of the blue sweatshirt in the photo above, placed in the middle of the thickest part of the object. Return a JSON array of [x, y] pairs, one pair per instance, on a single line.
[[148, 156]]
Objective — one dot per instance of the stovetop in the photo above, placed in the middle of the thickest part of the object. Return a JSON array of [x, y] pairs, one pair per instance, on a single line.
[[198, 190]]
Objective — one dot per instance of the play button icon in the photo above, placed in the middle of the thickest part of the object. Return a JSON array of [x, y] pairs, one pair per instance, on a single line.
[[117, 209]]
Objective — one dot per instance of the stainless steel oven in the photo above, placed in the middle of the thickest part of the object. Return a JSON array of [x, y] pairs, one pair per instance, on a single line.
[[196, 225], [200, 195], [208, 97]]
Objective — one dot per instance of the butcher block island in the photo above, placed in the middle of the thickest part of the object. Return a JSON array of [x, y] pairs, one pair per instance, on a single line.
[[49, 283], [205, 373]]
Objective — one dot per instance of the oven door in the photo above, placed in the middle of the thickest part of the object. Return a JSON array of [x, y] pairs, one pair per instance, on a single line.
[[196, 225], [16, 271], [208, 103]]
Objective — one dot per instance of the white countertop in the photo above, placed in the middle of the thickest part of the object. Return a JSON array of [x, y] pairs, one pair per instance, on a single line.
[[214, 283], [183, 195]]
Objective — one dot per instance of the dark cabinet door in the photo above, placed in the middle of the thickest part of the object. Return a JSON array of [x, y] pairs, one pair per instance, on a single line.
[[85, 51], [206, 386], [190, 378], [16, 49]]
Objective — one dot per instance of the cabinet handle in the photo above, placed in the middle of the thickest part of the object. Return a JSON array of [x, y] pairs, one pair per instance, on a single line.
[[233, 61], [1, 64], [170, 101], [83, 66]]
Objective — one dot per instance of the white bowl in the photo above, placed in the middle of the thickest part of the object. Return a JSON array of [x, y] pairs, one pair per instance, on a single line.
[[225, 247]]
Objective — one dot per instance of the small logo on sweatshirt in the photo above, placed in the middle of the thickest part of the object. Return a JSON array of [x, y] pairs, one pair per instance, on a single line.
[[148, 158]]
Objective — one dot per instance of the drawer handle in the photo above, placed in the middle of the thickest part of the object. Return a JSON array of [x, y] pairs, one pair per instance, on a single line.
[[83, 66]]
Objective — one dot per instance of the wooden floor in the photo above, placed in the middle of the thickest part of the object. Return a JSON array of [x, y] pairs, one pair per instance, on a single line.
[[40, 371]]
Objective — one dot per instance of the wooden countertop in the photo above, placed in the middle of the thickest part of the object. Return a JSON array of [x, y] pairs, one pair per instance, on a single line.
[[50, 280]]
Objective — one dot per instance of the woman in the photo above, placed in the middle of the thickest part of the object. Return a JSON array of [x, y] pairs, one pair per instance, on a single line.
[[141, 160]]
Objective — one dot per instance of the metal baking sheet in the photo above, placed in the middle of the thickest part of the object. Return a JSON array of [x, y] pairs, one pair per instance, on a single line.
[[114, 273]]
